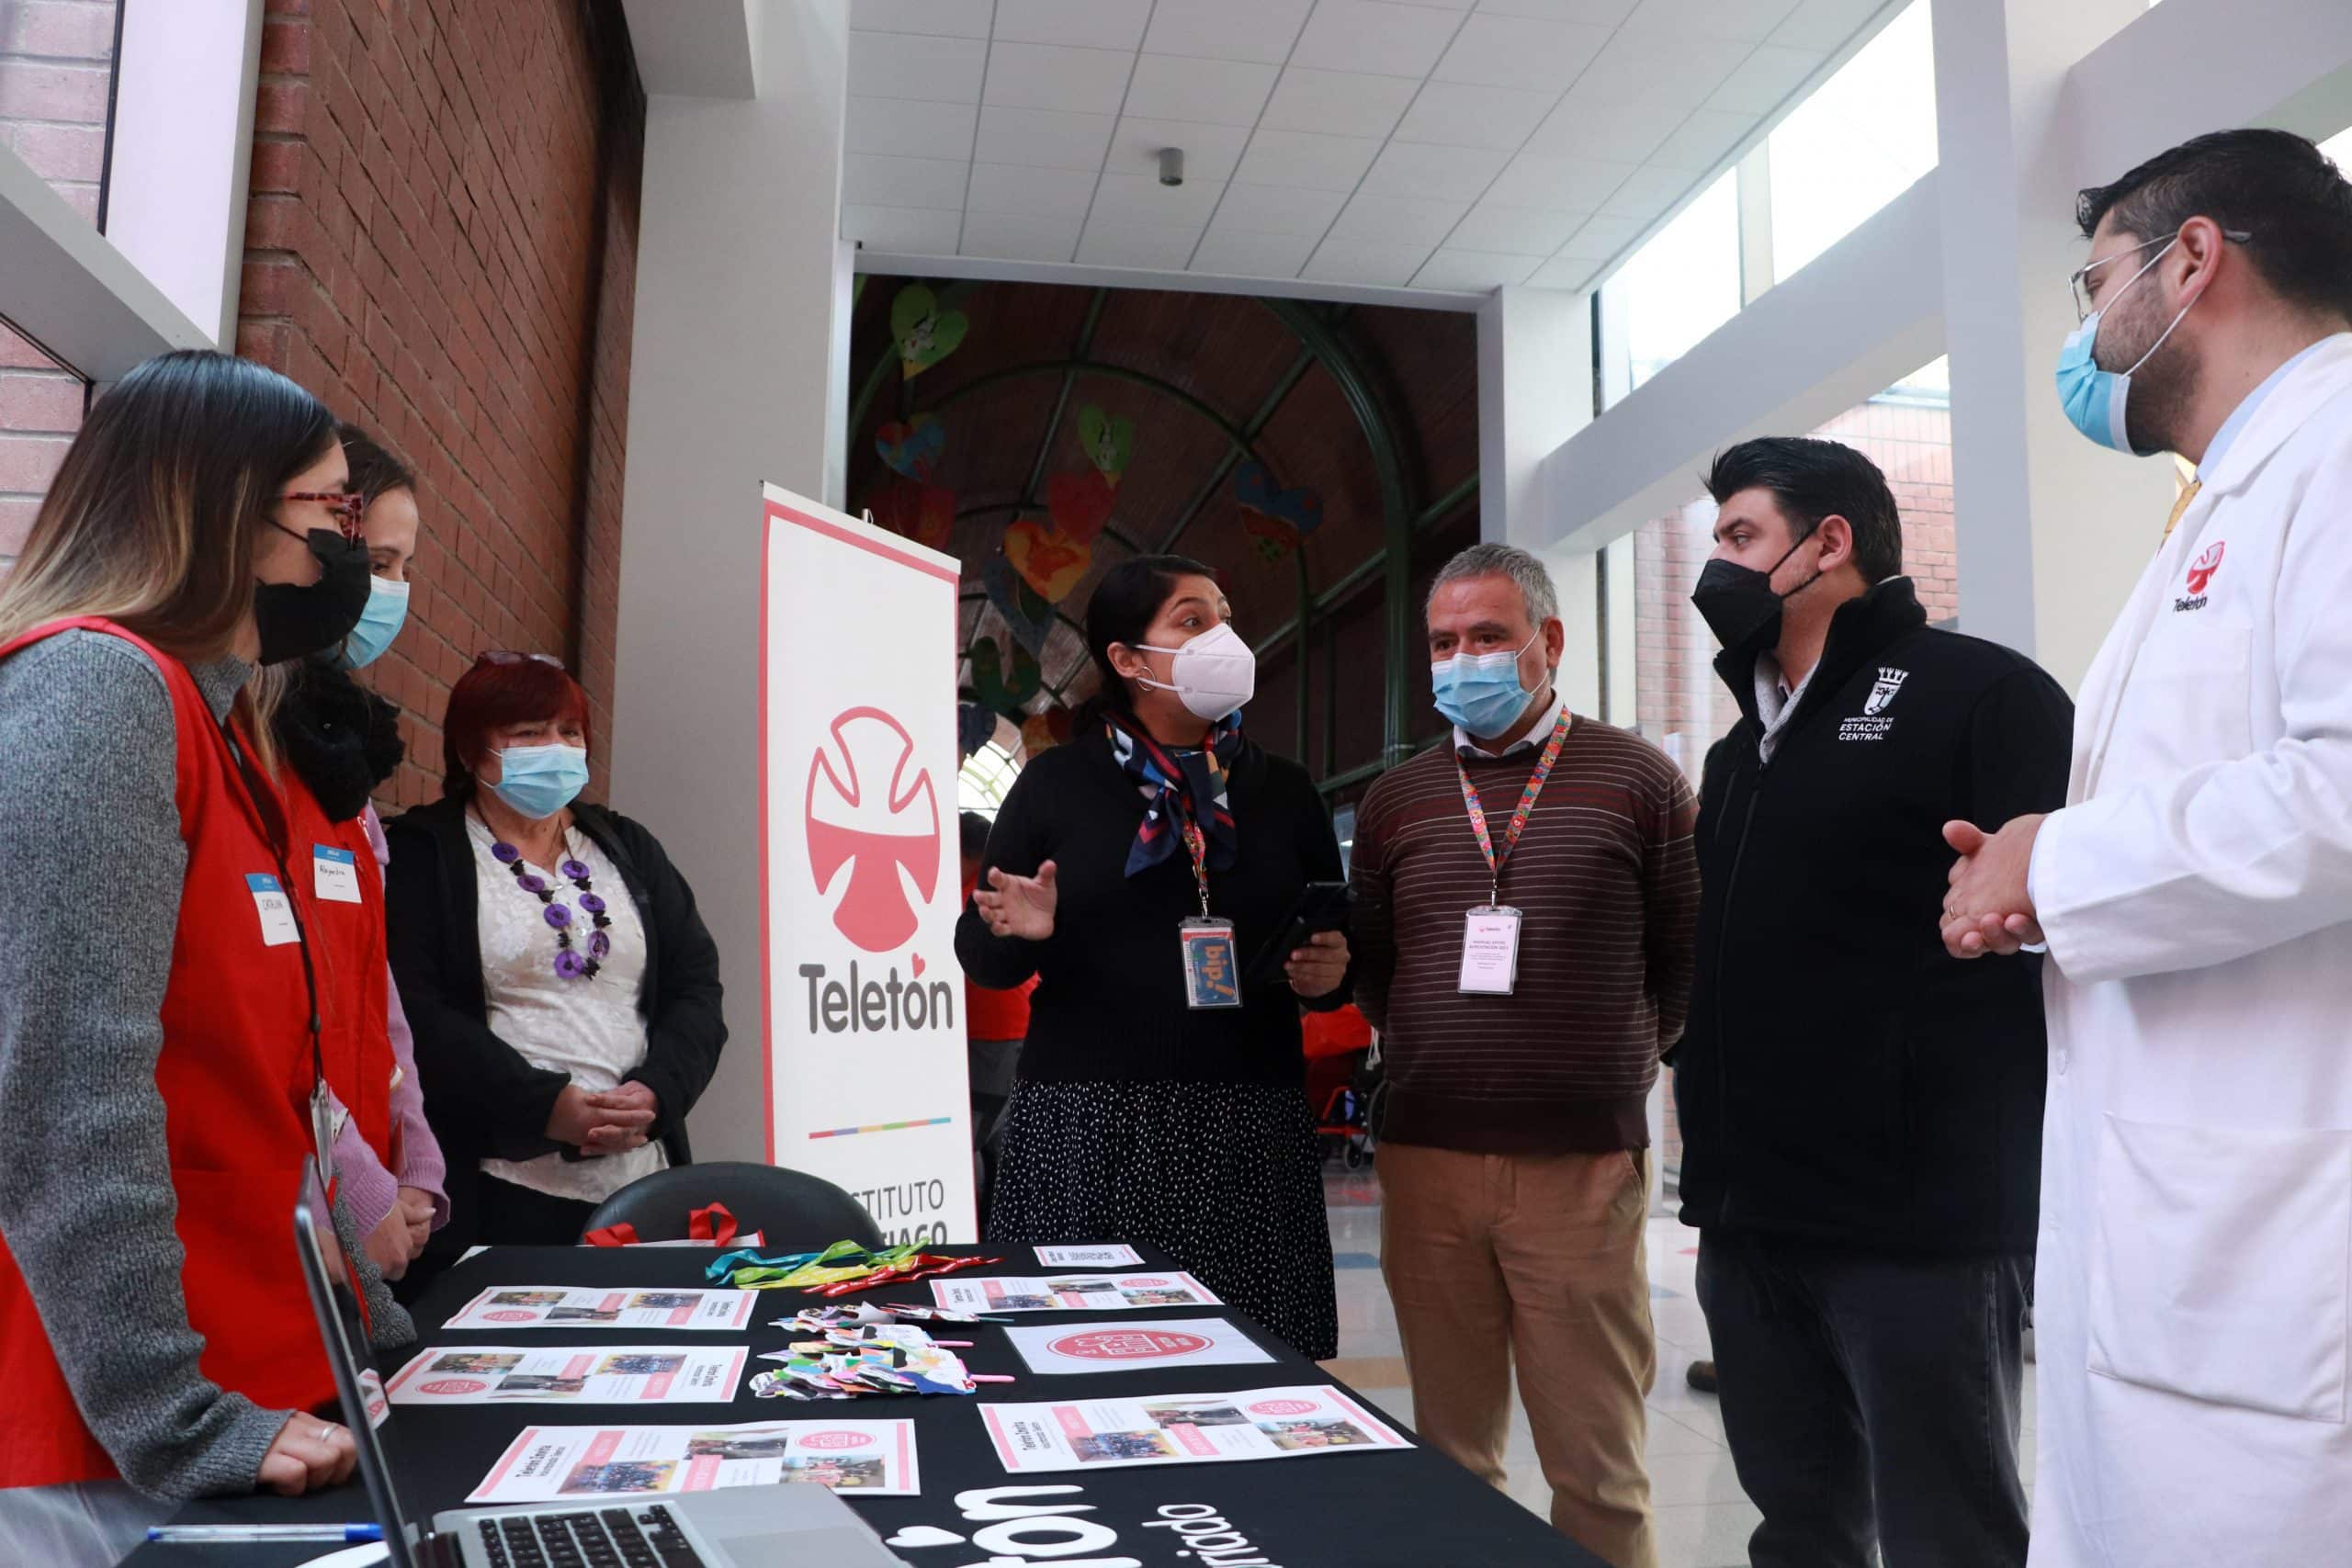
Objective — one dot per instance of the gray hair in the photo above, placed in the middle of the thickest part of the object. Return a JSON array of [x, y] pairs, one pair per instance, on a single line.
[[1532, 578]]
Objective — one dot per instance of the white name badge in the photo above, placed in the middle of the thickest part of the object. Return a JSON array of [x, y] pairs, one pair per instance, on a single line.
[[336, 874], [1491, 952], [277, 927]]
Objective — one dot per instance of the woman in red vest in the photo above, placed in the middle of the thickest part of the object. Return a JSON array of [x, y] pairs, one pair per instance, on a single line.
[[160, 1053]]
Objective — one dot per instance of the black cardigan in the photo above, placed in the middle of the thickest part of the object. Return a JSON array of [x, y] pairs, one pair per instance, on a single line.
[[484, 1098], [1110, 999]]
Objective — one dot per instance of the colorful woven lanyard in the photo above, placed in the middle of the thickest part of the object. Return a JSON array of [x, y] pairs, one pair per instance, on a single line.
[[1198, 843], [1495, 862]]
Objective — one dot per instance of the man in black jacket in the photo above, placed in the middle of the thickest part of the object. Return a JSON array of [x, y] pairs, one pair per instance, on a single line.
[[1861, 1113]]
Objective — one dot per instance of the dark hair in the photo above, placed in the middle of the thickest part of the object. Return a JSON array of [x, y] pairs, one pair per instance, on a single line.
[[973, 828], [1125, 602], [2272, 186], [492, 695], [1811, 479], [375, 472]]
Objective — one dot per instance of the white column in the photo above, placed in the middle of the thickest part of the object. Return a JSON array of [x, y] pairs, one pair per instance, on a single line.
[[734, 380], [1534, 391]]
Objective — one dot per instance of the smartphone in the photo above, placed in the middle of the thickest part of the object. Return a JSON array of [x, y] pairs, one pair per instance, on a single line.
[[1320, 907]]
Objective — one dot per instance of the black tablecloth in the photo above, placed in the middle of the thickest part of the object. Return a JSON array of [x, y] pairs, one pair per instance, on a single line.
[[1408, 1509]]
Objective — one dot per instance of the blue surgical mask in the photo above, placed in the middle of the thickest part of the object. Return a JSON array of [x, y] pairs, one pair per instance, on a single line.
[[539, 780], [2094, 399], [1481, 692], [380, 621]]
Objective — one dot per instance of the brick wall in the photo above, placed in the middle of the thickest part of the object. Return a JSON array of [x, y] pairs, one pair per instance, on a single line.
[[441, 242]]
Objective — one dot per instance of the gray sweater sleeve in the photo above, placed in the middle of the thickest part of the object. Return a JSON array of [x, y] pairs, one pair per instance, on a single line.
[[90, 866]]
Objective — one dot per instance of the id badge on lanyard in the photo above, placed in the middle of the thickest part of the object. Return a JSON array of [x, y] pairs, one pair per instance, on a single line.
[[1212, 958], [1490, 930]]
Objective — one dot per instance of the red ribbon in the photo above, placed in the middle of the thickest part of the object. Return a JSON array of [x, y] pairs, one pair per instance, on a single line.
[[700, 1226]]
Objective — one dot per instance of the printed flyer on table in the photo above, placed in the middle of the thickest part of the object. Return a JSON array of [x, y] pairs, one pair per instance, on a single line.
[[1158, 1343], [625, 1374], [560, 1307], [548, 1463], [1072, 1293], [1201, 1428]]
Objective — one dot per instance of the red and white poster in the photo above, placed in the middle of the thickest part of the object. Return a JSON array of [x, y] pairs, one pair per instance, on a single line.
[[1145, 1345], [865, 1079], [1185, 1428]]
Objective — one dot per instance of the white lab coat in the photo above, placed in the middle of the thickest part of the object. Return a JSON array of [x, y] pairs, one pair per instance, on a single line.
[[2195, 1275]]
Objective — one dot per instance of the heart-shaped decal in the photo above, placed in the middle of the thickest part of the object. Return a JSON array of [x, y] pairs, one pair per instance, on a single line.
[[1272, 540], [919, 965], [924, 335], [1047, 559], [1080, 503], [912, 510], [1301, 509], [997, 690], [1108, 441], [923, 1535], [1029, 618], [914, 448]]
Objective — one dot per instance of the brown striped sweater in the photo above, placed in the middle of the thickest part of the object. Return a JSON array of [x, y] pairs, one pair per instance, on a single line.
[[1608, 885]]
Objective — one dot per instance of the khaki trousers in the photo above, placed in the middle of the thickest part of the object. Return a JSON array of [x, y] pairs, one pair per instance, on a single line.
[[1539, 1258]]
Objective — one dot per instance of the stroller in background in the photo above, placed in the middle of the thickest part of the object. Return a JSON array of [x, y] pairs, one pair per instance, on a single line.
[[1343, 1081]]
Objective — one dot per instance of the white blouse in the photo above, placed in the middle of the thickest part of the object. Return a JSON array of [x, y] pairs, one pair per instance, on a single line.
[[589, 1028]]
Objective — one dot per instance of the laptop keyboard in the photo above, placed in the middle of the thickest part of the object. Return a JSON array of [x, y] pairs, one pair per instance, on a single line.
[[610, 1537]]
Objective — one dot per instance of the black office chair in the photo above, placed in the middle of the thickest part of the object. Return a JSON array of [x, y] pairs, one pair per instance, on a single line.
[[794, 1211]]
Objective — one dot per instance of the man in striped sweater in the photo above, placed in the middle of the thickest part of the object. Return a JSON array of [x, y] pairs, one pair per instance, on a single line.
[[1526, 897]]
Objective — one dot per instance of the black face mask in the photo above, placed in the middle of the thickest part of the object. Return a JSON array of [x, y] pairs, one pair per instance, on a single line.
[[1738, 601], [295, 620]]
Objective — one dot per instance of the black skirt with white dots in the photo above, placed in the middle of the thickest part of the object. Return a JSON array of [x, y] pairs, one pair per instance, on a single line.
[[1225, 1178]]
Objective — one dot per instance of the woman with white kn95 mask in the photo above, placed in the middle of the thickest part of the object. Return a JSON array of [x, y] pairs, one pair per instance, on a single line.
[[1137, 872]]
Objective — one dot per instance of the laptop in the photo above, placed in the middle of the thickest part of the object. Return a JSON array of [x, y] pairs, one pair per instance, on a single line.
[[794, 1526]]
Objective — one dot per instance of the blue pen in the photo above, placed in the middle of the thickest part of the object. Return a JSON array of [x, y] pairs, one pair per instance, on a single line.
[[216, 1534]]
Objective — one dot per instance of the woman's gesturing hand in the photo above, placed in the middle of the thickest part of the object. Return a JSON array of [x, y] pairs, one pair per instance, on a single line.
[[1019, 905], [1316, 969]]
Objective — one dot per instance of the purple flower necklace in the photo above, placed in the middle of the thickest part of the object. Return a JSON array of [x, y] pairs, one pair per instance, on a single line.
[[569, 963]]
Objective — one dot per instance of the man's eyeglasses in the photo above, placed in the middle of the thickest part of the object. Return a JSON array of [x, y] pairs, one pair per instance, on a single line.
[[2080, 282], [348, 506], [502, 656]]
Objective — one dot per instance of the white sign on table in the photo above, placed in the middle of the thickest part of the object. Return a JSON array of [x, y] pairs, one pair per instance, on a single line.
[[1195, 1428], [503, 1307], [865, 1081], [570, 1374], [1095, 1255], [1146, 1343], [996, 1294], [545, 1463]]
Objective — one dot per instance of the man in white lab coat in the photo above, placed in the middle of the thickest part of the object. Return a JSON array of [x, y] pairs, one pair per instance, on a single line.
[[2193, 1289]]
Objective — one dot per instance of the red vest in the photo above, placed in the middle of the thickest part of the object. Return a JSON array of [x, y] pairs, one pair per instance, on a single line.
[[348, 947], [235, 1074]]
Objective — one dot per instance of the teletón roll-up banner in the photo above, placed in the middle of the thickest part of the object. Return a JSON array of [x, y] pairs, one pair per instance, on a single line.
[[866, 1075]]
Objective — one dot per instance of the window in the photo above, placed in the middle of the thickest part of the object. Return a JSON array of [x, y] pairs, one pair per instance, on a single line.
[[1857, 142], [986, 779], [2339, 149], [1681, 285], [41, 408], [56, 92]]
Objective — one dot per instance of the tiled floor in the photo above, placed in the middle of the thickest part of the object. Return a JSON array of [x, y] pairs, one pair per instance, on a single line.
[[1703, 1519]]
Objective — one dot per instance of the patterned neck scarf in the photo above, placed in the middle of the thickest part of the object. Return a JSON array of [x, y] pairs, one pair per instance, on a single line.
[[1190, 785]]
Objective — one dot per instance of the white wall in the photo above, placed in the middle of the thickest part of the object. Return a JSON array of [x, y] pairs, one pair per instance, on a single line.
[[732, 383]]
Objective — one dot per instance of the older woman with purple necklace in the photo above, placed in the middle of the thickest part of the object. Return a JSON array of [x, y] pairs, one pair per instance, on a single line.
[[563, 991]]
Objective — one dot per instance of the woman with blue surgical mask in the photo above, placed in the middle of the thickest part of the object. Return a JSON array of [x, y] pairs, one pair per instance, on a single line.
[[564, 990]]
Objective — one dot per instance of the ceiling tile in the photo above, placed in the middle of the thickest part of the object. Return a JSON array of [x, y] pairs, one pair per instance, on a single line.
[[1305, 158], [1261, 30], [1514, 230], [952, 18], [902, 65], [1455, 115], [1701, 142], [871, 181], [909, 128], [1126, 244], [1593, 13], [1608, 133], [1765, 78], [1042, 138], [1401, 219], [902, 229], [1344, 103], [1518, 51], [1561, 185], [1374, 35], [1564, 272], [1011, 236], [1646, 68], [1648, 192], [1219, 92], [1089, 24], [1751, 20], [1602, 237], [1824, 25], [1009, 190], [1276, 209], [1141, 201], [1239, 253], [1366, 261], [1043, 76], [1456, 174], [1210, 150], [1474, 270]]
